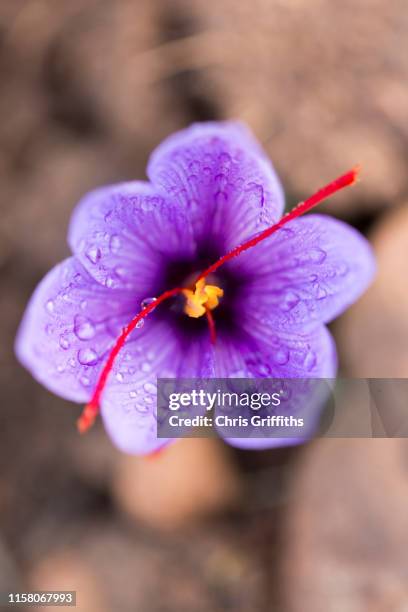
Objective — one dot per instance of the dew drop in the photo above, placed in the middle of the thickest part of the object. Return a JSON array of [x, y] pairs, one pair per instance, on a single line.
[[50, 306], [87, 356], [140, 324], [120, 271], [49, 330], [147, 301], [238, 374], [119, 377], [289, 301], [85, 381], [146, 204], [254, 194], [309, 360], [109, 282], [149, 387], [114, 243], [342, 269], [146, 367], [60, 368], [93, 254], [317, 255], [142, 409], [64, 342], [320, 292], [263, 369], [132, 394], [83, 328], [314, 256], [281, 356]]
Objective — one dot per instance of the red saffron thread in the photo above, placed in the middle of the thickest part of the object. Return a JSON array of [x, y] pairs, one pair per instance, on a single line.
[[211, 326], [91, 410]]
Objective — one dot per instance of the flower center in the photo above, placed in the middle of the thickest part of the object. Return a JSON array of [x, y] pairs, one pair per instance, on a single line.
[[201, 299]]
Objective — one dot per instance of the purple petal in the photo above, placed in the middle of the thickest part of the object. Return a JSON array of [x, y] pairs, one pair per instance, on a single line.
[[273, 354], [69, 325], [129, 402], [309, 271], [219, 173], [123, 234]]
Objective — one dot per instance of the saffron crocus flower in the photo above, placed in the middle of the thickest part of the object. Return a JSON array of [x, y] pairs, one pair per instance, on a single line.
[[221, 310]]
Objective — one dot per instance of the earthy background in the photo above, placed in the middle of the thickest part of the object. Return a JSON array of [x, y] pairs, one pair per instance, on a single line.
[[89, 87]]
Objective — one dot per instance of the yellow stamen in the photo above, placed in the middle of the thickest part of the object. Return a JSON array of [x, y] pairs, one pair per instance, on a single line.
[[203, 298]]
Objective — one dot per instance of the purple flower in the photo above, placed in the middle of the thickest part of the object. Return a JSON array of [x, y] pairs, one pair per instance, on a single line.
[[211, 188]]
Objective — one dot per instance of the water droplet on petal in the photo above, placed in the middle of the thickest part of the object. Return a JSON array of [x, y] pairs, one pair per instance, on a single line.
[[120, 271], [109, 282], [114, 243], [83, 328], [146, 367], [93, 254], [254, 194], [50, 306], [309, 360], [281, 356], [146, 204], [150, 387], [85, 381], [317, 255], [314, 256], [342, 269], [290, 300], [147, 301], [142, 408], [320, 292], [87, 356], [263, 369], [64, 342], [238, 374], [60, 368], [132, 394], [49, 330], [119, 377], [140, 324]]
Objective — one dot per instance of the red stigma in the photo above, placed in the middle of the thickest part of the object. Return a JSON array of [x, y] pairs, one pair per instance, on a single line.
[[91, 410], [211, 325]]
